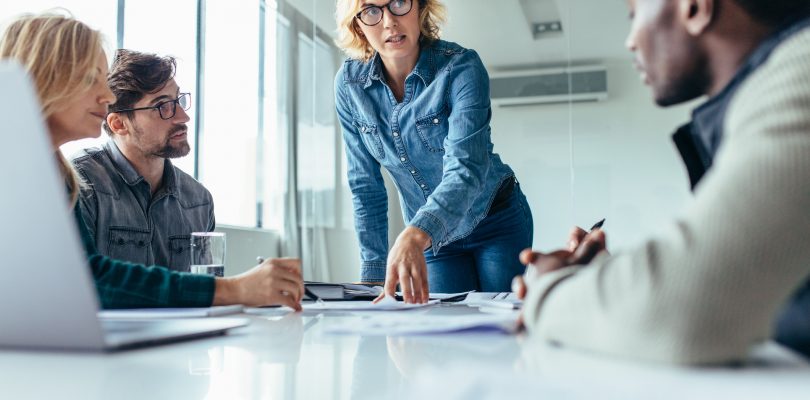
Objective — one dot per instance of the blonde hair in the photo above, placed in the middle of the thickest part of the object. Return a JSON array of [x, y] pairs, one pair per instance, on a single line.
[[432, 14], [60, 54]]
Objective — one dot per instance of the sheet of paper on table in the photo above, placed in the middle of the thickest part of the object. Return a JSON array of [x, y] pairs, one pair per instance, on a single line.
[[506, 300], [420, 324], [387, 304]]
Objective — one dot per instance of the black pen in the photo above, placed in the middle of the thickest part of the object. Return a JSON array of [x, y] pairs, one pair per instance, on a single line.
[[307, 292], [598, 225]]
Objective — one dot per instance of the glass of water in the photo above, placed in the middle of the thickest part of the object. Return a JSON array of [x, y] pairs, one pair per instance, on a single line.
[[208, 253]]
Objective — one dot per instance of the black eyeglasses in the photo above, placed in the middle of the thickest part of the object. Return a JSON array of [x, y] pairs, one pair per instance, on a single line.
[[167, 109], [372, 15]]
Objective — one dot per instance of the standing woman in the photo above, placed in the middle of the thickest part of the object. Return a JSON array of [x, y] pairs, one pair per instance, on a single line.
[[419, 106]]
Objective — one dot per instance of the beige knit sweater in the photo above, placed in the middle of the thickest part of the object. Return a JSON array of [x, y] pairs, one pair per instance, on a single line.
[[710, 284]]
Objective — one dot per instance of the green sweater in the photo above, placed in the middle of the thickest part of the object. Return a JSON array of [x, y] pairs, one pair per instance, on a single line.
[[122, 284]]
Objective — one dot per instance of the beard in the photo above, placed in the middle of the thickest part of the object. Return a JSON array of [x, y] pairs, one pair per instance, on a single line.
[[685, 88], [166, 149], [681, 71], [177, 150]]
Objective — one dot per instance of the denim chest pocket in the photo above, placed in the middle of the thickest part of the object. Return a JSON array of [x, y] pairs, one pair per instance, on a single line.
[[432, 130], [180, 256], [128, 244], [371, 138]]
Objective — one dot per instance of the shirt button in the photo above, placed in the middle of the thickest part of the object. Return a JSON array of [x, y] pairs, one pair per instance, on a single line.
[[423, 186], [396, 134], [363, 129], [413, 172], [435, 120], [402, 159]]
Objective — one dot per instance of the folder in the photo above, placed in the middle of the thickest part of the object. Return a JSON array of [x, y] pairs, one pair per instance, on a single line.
[[343, 291]]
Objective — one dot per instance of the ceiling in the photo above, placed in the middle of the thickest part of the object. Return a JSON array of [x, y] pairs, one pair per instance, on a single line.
[[501, 33]]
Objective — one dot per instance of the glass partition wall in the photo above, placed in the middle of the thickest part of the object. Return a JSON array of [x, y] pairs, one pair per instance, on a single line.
[[268, 137]]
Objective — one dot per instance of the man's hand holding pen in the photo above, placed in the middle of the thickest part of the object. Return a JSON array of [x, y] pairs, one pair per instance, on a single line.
[[583, 247]]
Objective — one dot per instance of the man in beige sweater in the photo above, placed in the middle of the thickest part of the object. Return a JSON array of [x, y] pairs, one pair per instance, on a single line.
[[711, 284]]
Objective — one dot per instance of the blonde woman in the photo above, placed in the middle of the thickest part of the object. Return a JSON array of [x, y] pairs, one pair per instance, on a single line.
[[65, 59], [419, 107]]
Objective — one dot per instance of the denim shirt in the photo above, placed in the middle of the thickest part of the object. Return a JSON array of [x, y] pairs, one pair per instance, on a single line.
[[435, 144], [128, 223]]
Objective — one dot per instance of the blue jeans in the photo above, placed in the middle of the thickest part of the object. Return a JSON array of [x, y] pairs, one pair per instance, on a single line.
[[487, 259]]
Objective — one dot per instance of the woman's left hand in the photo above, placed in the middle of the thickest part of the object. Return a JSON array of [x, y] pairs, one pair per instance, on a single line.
[[407, 266]]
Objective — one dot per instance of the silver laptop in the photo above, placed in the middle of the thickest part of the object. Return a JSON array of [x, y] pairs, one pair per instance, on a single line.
[[47, 294]]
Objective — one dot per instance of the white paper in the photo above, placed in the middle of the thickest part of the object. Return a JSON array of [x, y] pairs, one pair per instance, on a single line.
[[152, 313], [386, 304], [420, 324], [362, 289], [442, 296], [506, 300]]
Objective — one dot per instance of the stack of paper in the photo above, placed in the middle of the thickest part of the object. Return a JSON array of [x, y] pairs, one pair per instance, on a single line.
[[354, 290], [343, 291]]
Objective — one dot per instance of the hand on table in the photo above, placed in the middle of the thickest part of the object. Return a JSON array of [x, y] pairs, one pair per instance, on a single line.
[[406, 265]]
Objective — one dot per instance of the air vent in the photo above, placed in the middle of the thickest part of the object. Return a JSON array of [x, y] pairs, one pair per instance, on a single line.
[[548, 86]]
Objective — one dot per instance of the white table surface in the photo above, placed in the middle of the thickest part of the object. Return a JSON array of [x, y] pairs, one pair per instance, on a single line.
[[289, 356]]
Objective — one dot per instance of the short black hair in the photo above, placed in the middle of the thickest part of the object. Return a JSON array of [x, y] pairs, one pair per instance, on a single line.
[[133, 75], [776, 12]]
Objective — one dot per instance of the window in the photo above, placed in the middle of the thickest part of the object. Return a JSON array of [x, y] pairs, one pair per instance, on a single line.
[[262, 96], [168, 28], [229, 130], [267, 102], [277, 111], [316, 135]]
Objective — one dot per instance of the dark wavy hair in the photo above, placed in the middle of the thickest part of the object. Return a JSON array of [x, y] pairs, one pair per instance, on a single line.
[[133, 75], [776, 12]]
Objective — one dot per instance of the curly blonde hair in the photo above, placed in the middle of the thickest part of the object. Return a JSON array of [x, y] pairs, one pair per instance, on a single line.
[[60, 55], [432, 14]]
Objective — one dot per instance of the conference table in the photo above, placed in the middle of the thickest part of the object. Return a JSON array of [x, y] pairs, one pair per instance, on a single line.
[[287, 355]]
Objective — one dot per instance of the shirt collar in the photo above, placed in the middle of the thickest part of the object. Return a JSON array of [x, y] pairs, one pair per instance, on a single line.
[[128, 173], [424, 68], [708, 118]]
